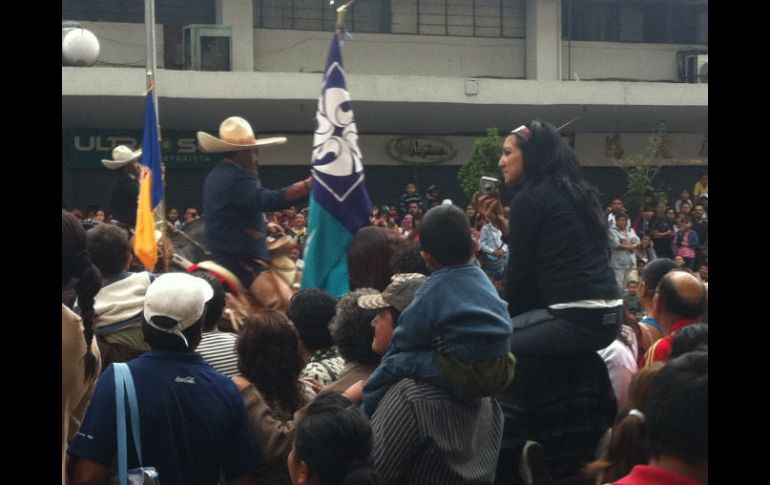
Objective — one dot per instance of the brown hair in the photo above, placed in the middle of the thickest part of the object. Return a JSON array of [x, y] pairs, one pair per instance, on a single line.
[[268, 356], [629, 445], [369, 257]]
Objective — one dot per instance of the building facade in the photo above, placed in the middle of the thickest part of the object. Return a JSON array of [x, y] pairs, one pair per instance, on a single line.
[[432, 75]]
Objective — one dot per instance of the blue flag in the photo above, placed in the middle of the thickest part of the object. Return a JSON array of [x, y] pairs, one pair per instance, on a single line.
[[145, 244], [150, 190], [339, 203], [151, 150]]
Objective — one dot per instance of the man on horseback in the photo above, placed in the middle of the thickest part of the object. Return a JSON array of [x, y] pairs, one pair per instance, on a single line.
[[233, 203], [125, 189]]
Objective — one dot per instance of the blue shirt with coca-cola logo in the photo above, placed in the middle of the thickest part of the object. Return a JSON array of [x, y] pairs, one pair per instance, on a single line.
[[192, 419]]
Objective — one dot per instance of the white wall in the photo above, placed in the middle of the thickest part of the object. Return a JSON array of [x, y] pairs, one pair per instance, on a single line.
[[239, 15], [243, 85], [685, 148], [124, 43], [391, 54], [426, 55], [543, 39], [622, 61]]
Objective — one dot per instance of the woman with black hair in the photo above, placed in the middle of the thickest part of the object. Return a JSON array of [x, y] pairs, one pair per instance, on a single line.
[[565, 305], [560, 289], [332, 444]]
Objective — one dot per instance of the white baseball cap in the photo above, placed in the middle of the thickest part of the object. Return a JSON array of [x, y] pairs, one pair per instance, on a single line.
[[179, 296]]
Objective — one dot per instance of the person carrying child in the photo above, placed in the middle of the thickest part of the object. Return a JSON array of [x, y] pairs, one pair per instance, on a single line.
[[456, 332]]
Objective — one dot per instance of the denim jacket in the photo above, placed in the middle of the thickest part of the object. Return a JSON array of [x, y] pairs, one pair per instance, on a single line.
[[456, 312]]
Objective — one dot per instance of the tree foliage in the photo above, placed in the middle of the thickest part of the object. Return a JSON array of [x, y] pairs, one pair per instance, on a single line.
[[641, 170], [483, 162]]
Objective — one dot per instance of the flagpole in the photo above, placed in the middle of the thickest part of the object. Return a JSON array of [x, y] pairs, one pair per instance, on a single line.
[[342, 10], [151, 57], [339, 202]]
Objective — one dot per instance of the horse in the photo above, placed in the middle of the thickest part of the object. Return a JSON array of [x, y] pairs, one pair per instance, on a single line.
[[188, 242], [189, 251]]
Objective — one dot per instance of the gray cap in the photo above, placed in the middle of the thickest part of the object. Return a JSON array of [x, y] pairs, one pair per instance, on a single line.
[[399, 293]]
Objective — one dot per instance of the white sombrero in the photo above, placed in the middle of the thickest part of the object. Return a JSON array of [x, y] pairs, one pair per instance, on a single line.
[[220, 270], [235, 134], [122, 156]]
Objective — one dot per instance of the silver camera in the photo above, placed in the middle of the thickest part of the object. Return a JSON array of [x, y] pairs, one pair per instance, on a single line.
[[488, 185]]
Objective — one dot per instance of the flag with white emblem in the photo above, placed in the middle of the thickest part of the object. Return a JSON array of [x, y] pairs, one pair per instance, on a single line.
[[339, 202]]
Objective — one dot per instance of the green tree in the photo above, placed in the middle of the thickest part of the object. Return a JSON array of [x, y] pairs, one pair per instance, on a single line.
[[641, 170], [483, 162]]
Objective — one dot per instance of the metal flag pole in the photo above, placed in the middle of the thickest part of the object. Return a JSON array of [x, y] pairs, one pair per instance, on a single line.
[[342, 10], [149, 24]]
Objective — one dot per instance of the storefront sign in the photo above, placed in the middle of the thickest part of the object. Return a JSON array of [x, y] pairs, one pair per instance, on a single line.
[[421, 150], [86, 148]]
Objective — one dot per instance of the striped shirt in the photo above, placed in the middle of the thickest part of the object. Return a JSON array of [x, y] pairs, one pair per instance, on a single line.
[[424, 435], [218, 350]]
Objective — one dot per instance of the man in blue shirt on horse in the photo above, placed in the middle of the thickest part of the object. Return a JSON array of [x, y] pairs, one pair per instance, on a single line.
[[233, 203]]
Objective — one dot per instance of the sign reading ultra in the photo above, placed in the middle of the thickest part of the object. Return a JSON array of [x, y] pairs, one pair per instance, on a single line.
[[86, 149], [412, 149]]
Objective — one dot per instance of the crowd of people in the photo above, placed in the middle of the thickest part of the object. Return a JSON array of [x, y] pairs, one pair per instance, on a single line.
[[536, 340]]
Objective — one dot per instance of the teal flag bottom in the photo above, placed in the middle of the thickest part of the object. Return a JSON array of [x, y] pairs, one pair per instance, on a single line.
[[326, 261]]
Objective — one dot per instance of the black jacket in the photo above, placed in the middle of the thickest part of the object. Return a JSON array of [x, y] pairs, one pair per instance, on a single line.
[[123, 199], [553, 257]]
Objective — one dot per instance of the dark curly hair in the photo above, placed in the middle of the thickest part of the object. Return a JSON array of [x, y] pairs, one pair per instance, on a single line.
[[76, 263], [311, 310], [352, 331], [268, 356]]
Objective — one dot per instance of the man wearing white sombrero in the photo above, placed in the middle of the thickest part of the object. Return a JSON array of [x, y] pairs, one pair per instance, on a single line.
[[125, 190], [233, 204]]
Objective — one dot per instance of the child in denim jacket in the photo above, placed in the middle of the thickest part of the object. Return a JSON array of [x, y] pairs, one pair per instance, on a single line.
[[456, 332]]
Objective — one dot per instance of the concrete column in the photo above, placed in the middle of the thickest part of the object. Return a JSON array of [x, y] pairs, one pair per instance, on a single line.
[[239, 14], [544, 40]]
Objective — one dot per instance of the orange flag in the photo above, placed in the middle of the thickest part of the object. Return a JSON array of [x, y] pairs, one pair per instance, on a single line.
[[145, 245]]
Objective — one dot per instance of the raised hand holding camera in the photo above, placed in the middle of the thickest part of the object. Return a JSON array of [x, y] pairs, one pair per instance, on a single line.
[[488, 185], [488, 202]]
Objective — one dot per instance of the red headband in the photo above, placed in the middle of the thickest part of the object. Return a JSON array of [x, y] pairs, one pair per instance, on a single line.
[[524, 132]]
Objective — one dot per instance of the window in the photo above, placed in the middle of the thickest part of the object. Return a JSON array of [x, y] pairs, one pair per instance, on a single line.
[[588, 20], [363, 16], [690, 25], [462, 18], [657, 18], [635, 21], [167, 12]]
